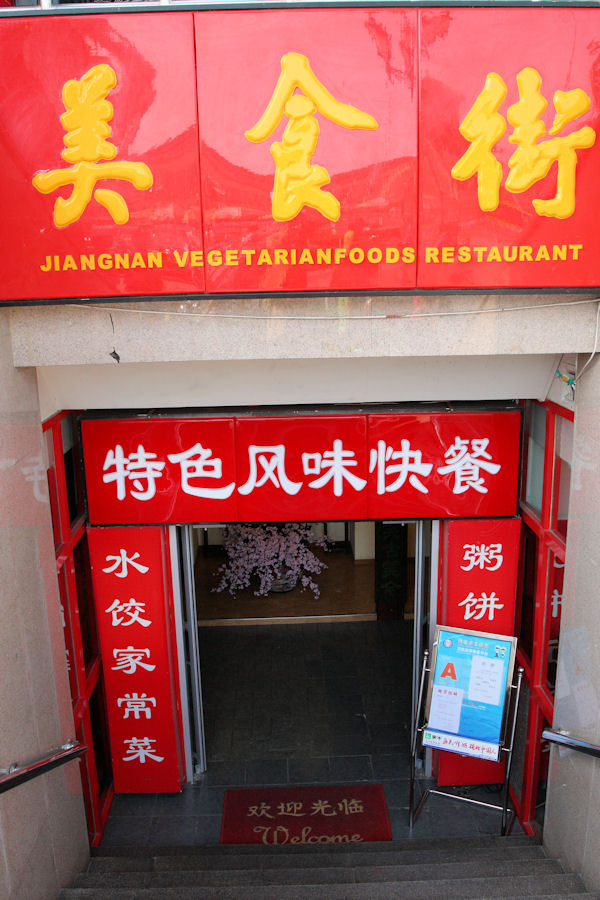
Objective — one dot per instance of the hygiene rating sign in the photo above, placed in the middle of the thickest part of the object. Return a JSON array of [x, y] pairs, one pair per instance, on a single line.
[[471, 672]]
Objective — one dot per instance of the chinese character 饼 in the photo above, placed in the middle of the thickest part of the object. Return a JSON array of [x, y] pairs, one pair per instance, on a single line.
[[483, 126], [478, 607], [298, 183], [484, 556], [86, 119]]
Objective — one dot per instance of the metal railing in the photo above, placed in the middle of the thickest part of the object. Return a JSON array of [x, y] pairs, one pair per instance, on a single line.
[[16, 774], [565, 739]]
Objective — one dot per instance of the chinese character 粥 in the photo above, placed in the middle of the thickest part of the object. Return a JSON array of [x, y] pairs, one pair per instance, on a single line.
[[483, 126], [137, 704], [86, 119], [465, 463], [129, 659], [142, 749], [132, 609], [478, 607], [409, 465], [120, 563], [272, 461], [485, 556], [198, 462], [337, 462], [298, 183], [138, 467]]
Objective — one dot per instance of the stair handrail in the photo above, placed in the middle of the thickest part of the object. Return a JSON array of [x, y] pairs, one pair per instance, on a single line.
[[565, 739], [16, 774]]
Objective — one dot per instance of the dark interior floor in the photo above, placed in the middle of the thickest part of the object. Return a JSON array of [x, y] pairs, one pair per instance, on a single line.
[[299, 704]]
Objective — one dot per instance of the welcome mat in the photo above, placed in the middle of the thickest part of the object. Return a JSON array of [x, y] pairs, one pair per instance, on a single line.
[[316, 814]]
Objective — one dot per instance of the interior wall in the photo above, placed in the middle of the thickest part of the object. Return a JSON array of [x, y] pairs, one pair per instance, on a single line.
[[572, 824], [43, 836]]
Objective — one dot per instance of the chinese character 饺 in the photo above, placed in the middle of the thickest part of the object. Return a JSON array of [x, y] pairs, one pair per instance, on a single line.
[[86, 119], [131, 608], [298, 183]]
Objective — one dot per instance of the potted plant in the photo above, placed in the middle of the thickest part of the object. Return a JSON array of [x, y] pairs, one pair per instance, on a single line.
[[272, 557]]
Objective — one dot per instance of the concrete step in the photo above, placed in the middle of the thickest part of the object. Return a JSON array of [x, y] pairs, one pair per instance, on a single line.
[[508, 886], [516, 840], [347, 858]]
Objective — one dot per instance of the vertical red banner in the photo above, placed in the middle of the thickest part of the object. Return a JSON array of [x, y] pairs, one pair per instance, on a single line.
[[481, 562], [130, 595]]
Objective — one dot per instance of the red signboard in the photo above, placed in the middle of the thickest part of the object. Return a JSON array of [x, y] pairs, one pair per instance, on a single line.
[[139, 675], [319, 191], [307, 468], [480, 569], [508, 154], [247, 151]]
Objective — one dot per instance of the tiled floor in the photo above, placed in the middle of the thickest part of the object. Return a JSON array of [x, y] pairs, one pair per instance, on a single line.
[[293, 704]]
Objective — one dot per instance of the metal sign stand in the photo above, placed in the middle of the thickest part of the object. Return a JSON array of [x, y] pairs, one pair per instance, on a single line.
[[418, 728]]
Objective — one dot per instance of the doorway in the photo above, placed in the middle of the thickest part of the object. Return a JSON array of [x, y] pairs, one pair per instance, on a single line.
[[292, 688]]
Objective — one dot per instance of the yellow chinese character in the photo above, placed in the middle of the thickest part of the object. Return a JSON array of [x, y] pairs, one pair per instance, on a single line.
[[297, 182], [483, 126], [290, 808], [260, 810], [323, 808], [86, 119], [532, 160], [349, 807]]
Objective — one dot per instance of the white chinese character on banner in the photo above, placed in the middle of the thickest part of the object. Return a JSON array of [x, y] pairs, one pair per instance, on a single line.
[[198, 462], [410, 465], [138, 467], [129, 659], [35, 472], [132, 608], [466, 463], [478, 607], [142, 749], [556, 603], [272, 461], [137, 704], [337, 462], [485, 556], [122, 561]]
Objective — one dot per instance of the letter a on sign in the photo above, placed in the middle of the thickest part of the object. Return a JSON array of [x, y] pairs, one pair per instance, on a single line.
[[449, 672]]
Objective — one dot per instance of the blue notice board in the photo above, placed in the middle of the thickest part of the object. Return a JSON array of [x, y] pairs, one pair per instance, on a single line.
[[471, 674]]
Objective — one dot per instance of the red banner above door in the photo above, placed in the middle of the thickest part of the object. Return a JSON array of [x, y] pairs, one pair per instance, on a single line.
[[301, 468]]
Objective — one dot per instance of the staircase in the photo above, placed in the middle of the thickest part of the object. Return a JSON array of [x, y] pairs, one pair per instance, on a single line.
[[485, 867]]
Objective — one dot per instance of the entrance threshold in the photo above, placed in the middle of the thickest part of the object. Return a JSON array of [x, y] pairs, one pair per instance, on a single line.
[[289, 620]]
